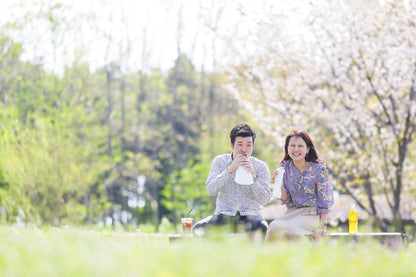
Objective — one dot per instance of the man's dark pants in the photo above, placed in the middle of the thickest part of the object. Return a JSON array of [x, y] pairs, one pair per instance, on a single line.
[[251, 223]]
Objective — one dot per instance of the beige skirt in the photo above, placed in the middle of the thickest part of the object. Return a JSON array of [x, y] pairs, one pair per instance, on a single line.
[[295, 222]]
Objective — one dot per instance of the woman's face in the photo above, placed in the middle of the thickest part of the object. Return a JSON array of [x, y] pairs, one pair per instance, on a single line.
[[297, 149]]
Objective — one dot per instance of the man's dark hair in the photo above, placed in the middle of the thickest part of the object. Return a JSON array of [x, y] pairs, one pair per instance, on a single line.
[[242, 130]]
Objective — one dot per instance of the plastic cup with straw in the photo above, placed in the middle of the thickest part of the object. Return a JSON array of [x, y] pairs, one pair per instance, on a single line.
[[187, 223]]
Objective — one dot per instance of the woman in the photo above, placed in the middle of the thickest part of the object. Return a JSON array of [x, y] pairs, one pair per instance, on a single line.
[[306, 190]]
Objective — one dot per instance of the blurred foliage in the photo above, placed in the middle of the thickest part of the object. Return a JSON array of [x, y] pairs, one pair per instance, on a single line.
[[73, 146], [73, 143]]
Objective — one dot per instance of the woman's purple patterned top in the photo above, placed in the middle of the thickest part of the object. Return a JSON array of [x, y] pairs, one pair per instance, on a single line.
[[311, 188]]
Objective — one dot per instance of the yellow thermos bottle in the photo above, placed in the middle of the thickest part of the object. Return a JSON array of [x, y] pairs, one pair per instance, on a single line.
[[353, 220]]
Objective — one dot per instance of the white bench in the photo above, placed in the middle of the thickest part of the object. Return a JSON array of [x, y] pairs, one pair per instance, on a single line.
[[391, 239], [176, 236]]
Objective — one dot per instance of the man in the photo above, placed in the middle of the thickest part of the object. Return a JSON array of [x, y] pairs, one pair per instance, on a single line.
[[236, 202]]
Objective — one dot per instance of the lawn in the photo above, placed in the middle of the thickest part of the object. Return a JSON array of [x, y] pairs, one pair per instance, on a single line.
[[84, 252]]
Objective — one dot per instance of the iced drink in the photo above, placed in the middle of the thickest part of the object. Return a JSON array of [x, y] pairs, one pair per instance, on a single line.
[[186, 225]]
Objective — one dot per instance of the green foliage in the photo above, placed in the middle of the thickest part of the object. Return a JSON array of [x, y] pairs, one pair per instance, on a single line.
[[73, 145], [188, 189], [45, 168]]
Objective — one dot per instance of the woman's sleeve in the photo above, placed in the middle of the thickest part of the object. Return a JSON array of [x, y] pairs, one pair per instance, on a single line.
[[325, 195]]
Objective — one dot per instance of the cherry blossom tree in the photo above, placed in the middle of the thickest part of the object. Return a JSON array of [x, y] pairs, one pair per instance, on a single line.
[[348, 76]]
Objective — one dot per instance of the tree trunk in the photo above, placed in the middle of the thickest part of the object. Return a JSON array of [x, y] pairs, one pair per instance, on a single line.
[[109, 111]]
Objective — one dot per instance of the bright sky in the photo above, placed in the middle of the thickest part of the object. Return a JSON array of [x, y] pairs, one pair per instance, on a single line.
[[144, 33]]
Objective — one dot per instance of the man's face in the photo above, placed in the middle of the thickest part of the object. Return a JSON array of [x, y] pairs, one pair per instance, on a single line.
[[243, 145]]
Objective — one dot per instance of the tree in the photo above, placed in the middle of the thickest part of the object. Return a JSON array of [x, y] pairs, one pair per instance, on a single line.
[[373, 78], [351, 83]]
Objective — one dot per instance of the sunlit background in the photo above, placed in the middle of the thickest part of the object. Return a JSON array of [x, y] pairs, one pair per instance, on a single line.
[[112, 111]]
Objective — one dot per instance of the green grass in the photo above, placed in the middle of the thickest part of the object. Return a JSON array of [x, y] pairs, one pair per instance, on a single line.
[[82, 252]]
